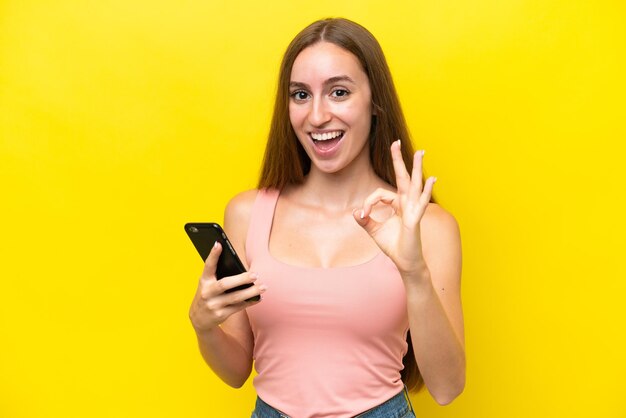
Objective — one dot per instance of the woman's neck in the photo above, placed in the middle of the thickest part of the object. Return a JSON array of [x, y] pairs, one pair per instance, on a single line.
[[340, 191]]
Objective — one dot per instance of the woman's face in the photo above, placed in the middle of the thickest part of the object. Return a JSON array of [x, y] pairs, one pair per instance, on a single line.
[[330, 106]]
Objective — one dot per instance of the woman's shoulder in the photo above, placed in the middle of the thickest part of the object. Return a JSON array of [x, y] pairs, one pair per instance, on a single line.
[[239, 207], [237, 220], [438, 217], [440, 232], [439, 226]]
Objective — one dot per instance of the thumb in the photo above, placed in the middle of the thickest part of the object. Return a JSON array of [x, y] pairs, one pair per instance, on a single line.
[[210, 264], [366, 222]]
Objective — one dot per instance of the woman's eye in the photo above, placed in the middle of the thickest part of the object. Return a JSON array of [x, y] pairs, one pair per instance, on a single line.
[[340, 93], [300, 95]]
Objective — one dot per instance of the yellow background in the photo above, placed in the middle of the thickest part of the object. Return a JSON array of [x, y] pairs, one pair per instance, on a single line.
[[122, 120]]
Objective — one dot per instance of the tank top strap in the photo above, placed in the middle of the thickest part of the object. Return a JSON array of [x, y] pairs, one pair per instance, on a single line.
[[260, 226]]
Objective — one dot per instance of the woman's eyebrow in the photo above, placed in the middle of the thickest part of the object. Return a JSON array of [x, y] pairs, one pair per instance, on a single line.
[[332, 80], [299, 85], [339, 78]]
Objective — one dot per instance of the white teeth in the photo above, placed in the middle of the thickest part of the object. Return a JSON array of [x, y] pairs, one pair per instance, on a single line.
[[326, 135]]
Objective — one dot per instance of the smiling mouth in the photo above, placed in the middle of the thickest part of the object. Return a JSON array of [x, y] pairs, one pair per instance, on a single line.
[[327, 140], [326, 136]]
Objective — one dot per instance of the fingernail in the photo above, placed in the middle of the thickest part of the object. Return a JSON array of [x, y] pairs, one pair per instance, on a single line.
[[254, 276], [423, 152], [263, 287], [362, 214], [399, 143], [434, 179], [215, 244]]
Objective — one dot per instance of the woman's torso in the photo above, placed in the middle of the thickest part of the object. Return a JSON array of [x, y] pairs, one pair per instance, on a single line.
[[327, 341]]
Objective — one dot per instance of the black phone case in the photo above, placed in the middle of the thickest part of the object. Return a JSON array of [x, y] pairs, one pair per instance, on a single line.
[[203, 237]]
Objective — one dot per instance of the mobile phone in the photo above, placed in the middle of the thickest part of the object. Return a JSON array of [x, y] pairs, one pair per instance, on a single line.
[[203, 237]]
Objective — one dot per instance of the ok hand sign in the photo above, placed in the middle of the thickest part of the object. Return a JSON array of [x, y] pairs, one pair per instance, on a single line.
[[399, 236]]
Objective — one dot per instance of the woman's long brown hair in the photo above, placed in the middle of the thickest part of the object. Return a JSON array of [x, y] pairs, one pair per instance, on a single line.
[[285, 160]]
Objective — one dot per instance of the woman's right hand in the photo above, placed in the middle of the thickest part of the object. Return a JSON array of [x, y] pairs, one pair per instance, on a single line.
[[211, 306]]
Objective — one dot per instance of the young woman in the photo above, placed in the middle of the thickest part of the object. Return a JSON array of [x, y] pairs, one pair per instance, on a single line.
[[358, 270]]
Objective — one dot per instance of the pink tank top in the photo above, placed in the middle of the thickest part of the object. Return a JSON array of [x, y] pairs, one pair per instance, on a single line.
[[328, 342]]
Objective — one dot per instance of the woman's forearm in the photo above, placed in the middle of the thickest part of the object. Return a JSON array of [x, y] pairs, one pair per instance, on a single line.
[[438, 350], [225, 356]]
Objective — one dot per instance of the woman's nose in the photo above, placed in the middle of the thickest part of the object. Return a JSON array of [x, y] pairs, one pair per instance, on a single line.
[[319, 113]]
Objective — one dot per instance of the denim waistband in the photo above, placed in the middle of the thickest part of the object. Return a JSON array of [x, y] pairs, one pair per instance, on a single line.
[[397, 407]]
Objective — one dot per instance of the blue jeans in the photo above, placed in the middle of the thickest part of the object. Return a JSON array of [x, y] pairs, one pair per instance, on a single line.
[[397, 407]]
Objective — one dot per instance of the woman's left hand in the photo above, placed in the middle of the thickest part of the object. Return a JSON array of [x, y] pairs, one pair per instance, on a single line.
[[399, 235]]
